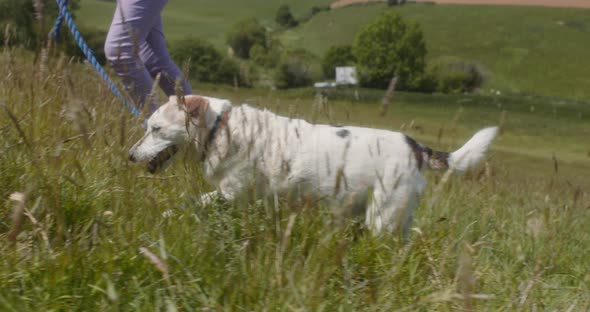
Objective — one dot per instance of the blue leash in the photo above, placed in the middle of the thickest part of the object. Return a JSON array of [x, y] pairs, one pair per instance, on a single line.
[[88, 53]]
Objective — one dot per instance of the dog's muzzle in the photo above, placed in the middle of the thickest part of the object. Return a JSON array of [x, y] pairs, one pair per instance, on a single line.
[[160, 159]]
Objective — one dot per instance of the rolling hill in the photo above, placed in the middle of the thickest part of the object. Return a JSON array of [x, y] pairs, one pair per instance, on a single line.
[[523, 49], [536, 50], [206, 19]]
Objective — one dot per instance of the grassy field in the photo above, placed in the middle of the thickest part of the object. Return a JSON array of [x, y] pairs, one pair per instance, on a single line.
[[87, 232]]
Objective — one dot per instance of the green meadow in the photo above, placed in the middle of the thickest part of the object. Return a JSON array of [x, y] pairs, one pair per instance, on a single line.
[[84, 229]]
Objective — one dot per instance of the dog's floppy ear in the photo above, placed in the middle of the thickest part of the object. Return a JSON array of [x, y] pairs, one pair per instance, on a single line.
[[195, 105]]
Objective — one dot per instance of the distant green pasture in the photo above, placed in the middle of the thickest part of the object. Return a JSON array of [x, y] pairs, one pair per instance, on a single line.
[[522, 49]]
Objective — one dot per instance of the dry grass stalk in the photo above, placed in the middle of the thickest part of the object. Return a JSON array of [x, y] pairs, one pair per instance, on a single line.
[[388, 95], [525, 292], [535, 226], [16, 123], [284, 244], [340, 180], [489, 171], [160, 264], [432, 263], [572, 306], [465, 277], [75, 114], [38, 5], [40, 227], [18, 211], [321, 107], [43, 60], [453, 126], [555, 164], [288, 230], [7, 37], [153, 96], [449, 296], [456, 118], [438, 189]]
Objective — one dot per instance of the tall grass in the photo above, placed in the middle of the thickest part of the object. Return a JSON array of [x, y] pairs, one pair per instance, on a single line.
[[81, 228]]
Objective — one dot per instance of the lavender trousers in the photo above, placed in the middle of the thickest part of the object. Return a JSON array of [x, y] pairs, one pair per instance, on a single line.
[[136, 49]]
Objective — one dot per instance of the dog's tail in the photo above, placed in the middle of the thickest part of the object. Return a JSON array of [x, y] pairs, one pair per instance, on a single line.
[[466, 157]]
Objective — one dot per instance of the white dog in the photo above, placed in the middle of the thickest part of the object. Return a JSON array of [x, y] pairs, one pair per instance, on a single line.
[[351, 168]]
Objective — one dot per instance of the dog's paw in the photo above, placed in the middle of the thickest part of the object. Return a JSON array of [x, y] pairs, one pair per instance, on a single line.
[[209, 198]]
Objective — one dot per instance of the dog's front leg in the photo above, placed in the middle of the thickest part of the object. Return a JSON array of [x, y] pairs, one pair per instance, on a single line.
[[229, 187], [208, 198]]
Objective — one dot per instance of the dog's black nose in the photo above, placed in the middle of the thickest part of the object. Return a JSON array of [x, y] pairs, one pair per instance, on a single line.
[[132, 157]]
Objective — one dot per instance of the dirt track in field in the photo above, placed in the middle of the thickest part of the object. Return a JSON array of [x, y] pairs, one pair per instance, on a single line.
[[551, 3], [343, 3]]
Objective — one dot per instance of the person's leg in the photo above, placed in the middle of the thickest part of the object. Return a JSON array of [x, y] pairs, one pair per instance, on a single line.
[[132, 22], [155, 56]]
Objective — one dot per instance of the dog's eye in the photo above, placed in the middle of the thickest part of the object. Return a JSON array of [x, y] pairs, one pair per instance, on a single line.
[[155, 128]]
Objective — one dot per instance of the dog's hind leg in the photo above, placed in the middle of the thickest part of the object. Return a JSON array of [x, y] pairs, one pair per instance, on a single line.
[[408, 218], [393, 203], [383, 213]]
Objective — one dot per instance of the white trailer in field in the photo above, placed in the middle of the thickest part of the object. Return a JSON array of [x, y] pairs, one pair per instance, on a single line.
[[346, 75]]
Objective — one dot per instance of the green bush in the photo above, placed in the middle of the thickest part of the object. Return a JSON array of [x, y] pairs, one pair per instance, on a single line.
[[390, 47], [246, 34], [19, 22], [284, 17], [427, 83], [265, 57], [205, 63], [294, 70], [337, 56], [258, 54], [453, 75], [24, 28], [20, 16]]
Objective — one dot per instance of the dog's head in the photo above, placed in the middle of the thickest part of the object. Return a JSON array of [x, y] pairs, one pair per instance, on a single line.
[[174, 124]]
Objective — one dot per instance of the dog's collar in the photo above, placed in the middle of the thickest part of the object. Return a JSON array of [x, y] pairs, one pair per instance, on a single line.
[[213, 131]]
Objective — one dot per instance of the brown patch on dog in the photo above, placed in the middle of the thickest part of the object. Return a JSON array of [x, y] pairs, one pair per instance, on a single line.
[[195, 105], [416, 149], [436, 160]]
